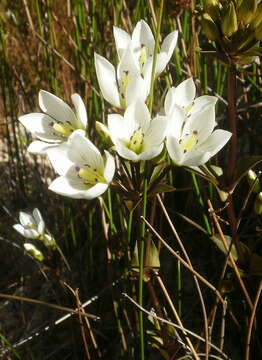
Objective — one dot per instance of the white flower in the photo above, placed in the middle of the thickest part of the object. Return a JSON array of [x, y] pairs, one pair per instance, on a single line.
[[142, 44], [183, 96], [83, 172], [123, 87], [56, 123], [136, 136], [191, 140], [32, 226]]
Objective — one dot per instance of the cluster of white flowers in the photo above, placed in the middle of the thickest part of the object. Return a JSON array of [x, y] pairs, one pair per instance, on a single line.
[[185, 125], [32, 226]]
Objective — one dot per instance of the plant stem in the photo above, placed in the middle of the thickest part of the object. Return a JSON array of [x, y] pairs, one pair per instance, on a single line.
[[141, 272], [232, 117]]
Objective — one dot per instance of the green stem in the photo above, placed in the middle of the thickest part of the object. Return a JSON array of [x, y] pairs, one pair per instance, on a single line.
[[201, 202], [141, 272]]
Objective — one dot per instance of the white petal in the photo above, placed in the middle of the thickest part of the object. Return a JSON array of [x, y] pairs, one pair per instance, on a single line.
[[40, 147], [125, 152], [137, 115], [203, 122], [67, 187], [156, 132], [56, 107], [195, 158], [110, 166], [201, 102], [26, 219], [27, 233], [174, 149], [59, 159], [215, 142], [80, 110], [122, 40], [169, 100], [142, 35], [184, 93], [39, 221], [151, 153], [137, 89], [82, 151], [117, 127], [128, 65], [40, 125], [106, 76], [176, 119], [208, 149], [37, 215], [166, 51]]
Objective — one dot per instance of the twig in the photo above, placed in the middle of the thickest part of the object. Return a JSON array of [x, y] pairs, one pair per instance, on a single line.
[[176, 315], [189, 262], [252, 317], [241, 283], [183, 329]]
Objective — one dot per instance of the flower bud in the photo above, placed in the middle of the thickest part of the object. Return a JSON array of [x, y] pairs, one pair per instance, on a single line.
[[229, 23], [253, 181], [258, 204], [211, 7], [209, 27], [31, 249], [246, 11]]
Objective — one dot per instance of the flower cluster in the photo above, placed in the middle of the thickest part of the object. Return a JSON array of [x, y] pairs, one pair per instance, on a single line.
[[32, 227], [185, 125]]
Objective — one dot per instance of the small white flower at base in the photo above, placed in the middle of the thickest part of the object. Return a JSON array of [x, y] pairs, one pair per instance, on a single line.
[[32, 250], [31, 226], [56, 123], [136, 137], [84, 173], [142, 44]]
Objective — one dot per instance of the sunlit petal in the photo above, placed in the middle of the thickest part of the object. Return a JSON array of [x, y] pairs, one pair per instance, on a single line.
[[106, 76], [122, 40]]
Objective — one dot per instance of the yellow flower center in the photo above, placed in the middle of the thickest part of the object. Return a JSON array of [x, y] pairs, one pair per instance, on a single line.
[[136, 141], [64, 129], [189, 142], [90, 176]]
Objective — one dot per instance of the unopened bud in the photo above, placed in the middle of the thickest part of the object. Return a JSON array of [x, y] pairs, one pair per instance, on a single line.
[[32, 250], [258, 204], [253, 181], [229, 23], [246, 11], [211, 7], [209, 27]]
